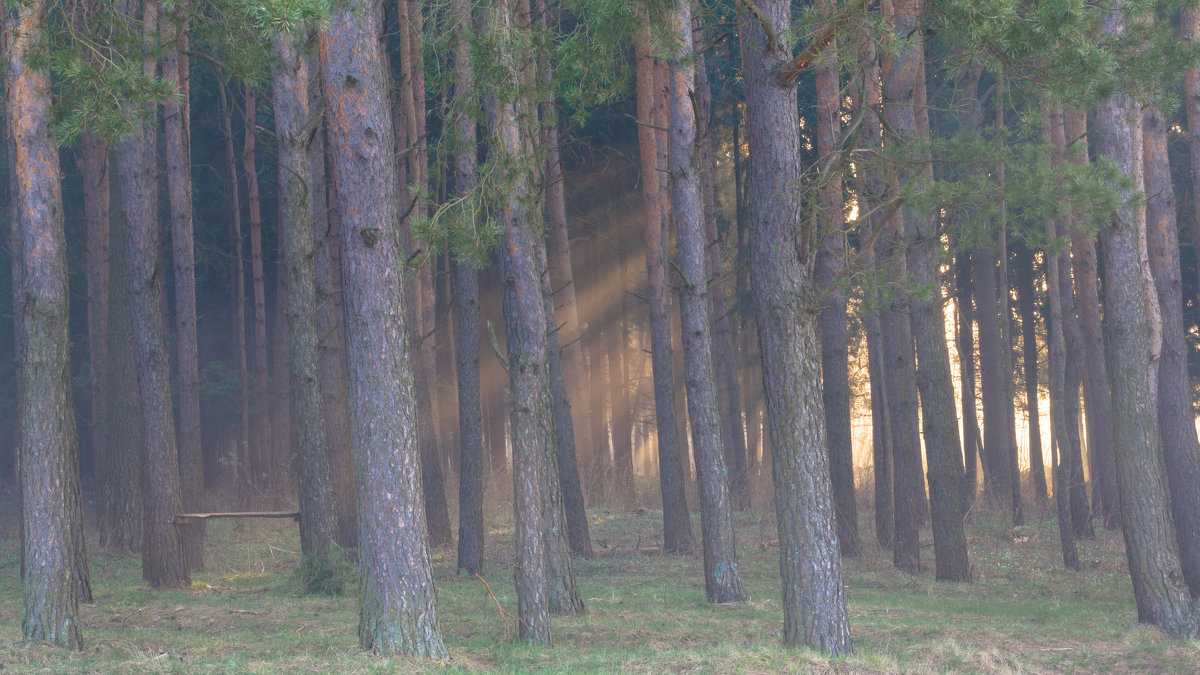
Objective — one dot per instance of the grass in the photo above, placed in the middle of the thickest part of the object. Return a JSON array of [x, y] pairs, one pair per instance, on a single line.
[[645, 612]]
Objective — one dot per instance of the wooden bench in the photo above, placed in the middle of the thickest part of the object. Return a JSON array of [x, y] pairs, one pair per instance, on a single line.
[[181, 518]]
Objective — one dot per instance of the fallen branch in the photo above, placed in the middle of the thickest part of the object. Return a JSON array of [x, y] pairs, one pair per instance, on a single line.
[[503, 613]]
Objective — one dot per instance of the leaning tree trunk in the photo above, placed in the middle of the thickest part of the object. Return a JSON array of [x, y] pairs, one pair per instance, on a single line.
[[785, 301], [677, 526], [177, 135], [1176, 418], [722, 579], [49, 470], [834, 336], [1150, 545], [318, 521], [397, 600]]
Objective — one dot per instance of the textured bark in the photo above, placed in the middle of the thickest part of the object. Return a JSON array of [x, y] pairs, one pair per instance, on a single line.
[[835, 376], [52, 558], [176, 133], [528, 360], [1029, 363], [677, 526], [397, 600], [331, 327], [997, 477], [785, 304], [1097, 399], [96, 191], [121, 488], [318, 515], [1150, 545], [972, 443], [908, 120], [163, 561], [283, 425], [1189, 30], [1176, 418], [242, 474], [260, 411], [872, 191], [722, 579], [466, 308]]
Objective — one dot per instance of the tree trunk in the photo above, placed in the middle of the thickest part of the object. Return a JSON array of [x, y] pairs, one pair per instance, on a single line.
[[1150, 544], [283, 427], [260, 422], [96, 192], [1097, 397], [677, 526], [722, 580], [1176, 418], [528, 359], [1029, 359], [163, 561], [972, 446], [1189, 30], [785, 302], [318, 522], [177, 131], [835, 376], [996, 474], [52, 558], [397, 600], [241, 465], [466, 307]]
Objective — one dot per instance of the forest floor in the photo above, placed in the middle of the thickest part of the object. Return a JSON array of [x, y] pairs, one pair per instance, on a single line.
[[646, 612]]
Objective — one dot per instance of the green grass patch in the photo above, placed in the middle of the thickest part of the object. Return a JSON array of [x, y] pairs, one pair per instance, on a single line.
[[248, 612]]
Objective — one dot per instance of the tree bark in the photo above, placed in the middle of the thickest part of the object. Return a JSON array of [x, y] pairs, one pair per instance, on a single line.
[[722, 579], [528, 359], [785, 304], [1029, 362], [96, 193], [677, 526], [1097, 398], [293, 118], [1150, 544], [1176, 418], [177, 135], [466, 306], [163, 561], [260, 421], [972, 444], [52, 558], [835, 376], [397, 600]]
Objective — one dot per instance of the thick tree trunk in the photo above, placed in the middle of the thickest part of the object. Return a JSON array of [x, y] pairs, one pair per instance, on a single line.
[[54, 564], [163, 561], [1029, 363], [1097, 398], [1150, 544], [722, 579], [528, 360], [260, 421], [466, 307], [908, 120], [814, 598], [677, 526], [835, 375], [1176, 418], [318, 521], [1189, 30], [397, 600], [177, 135]]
